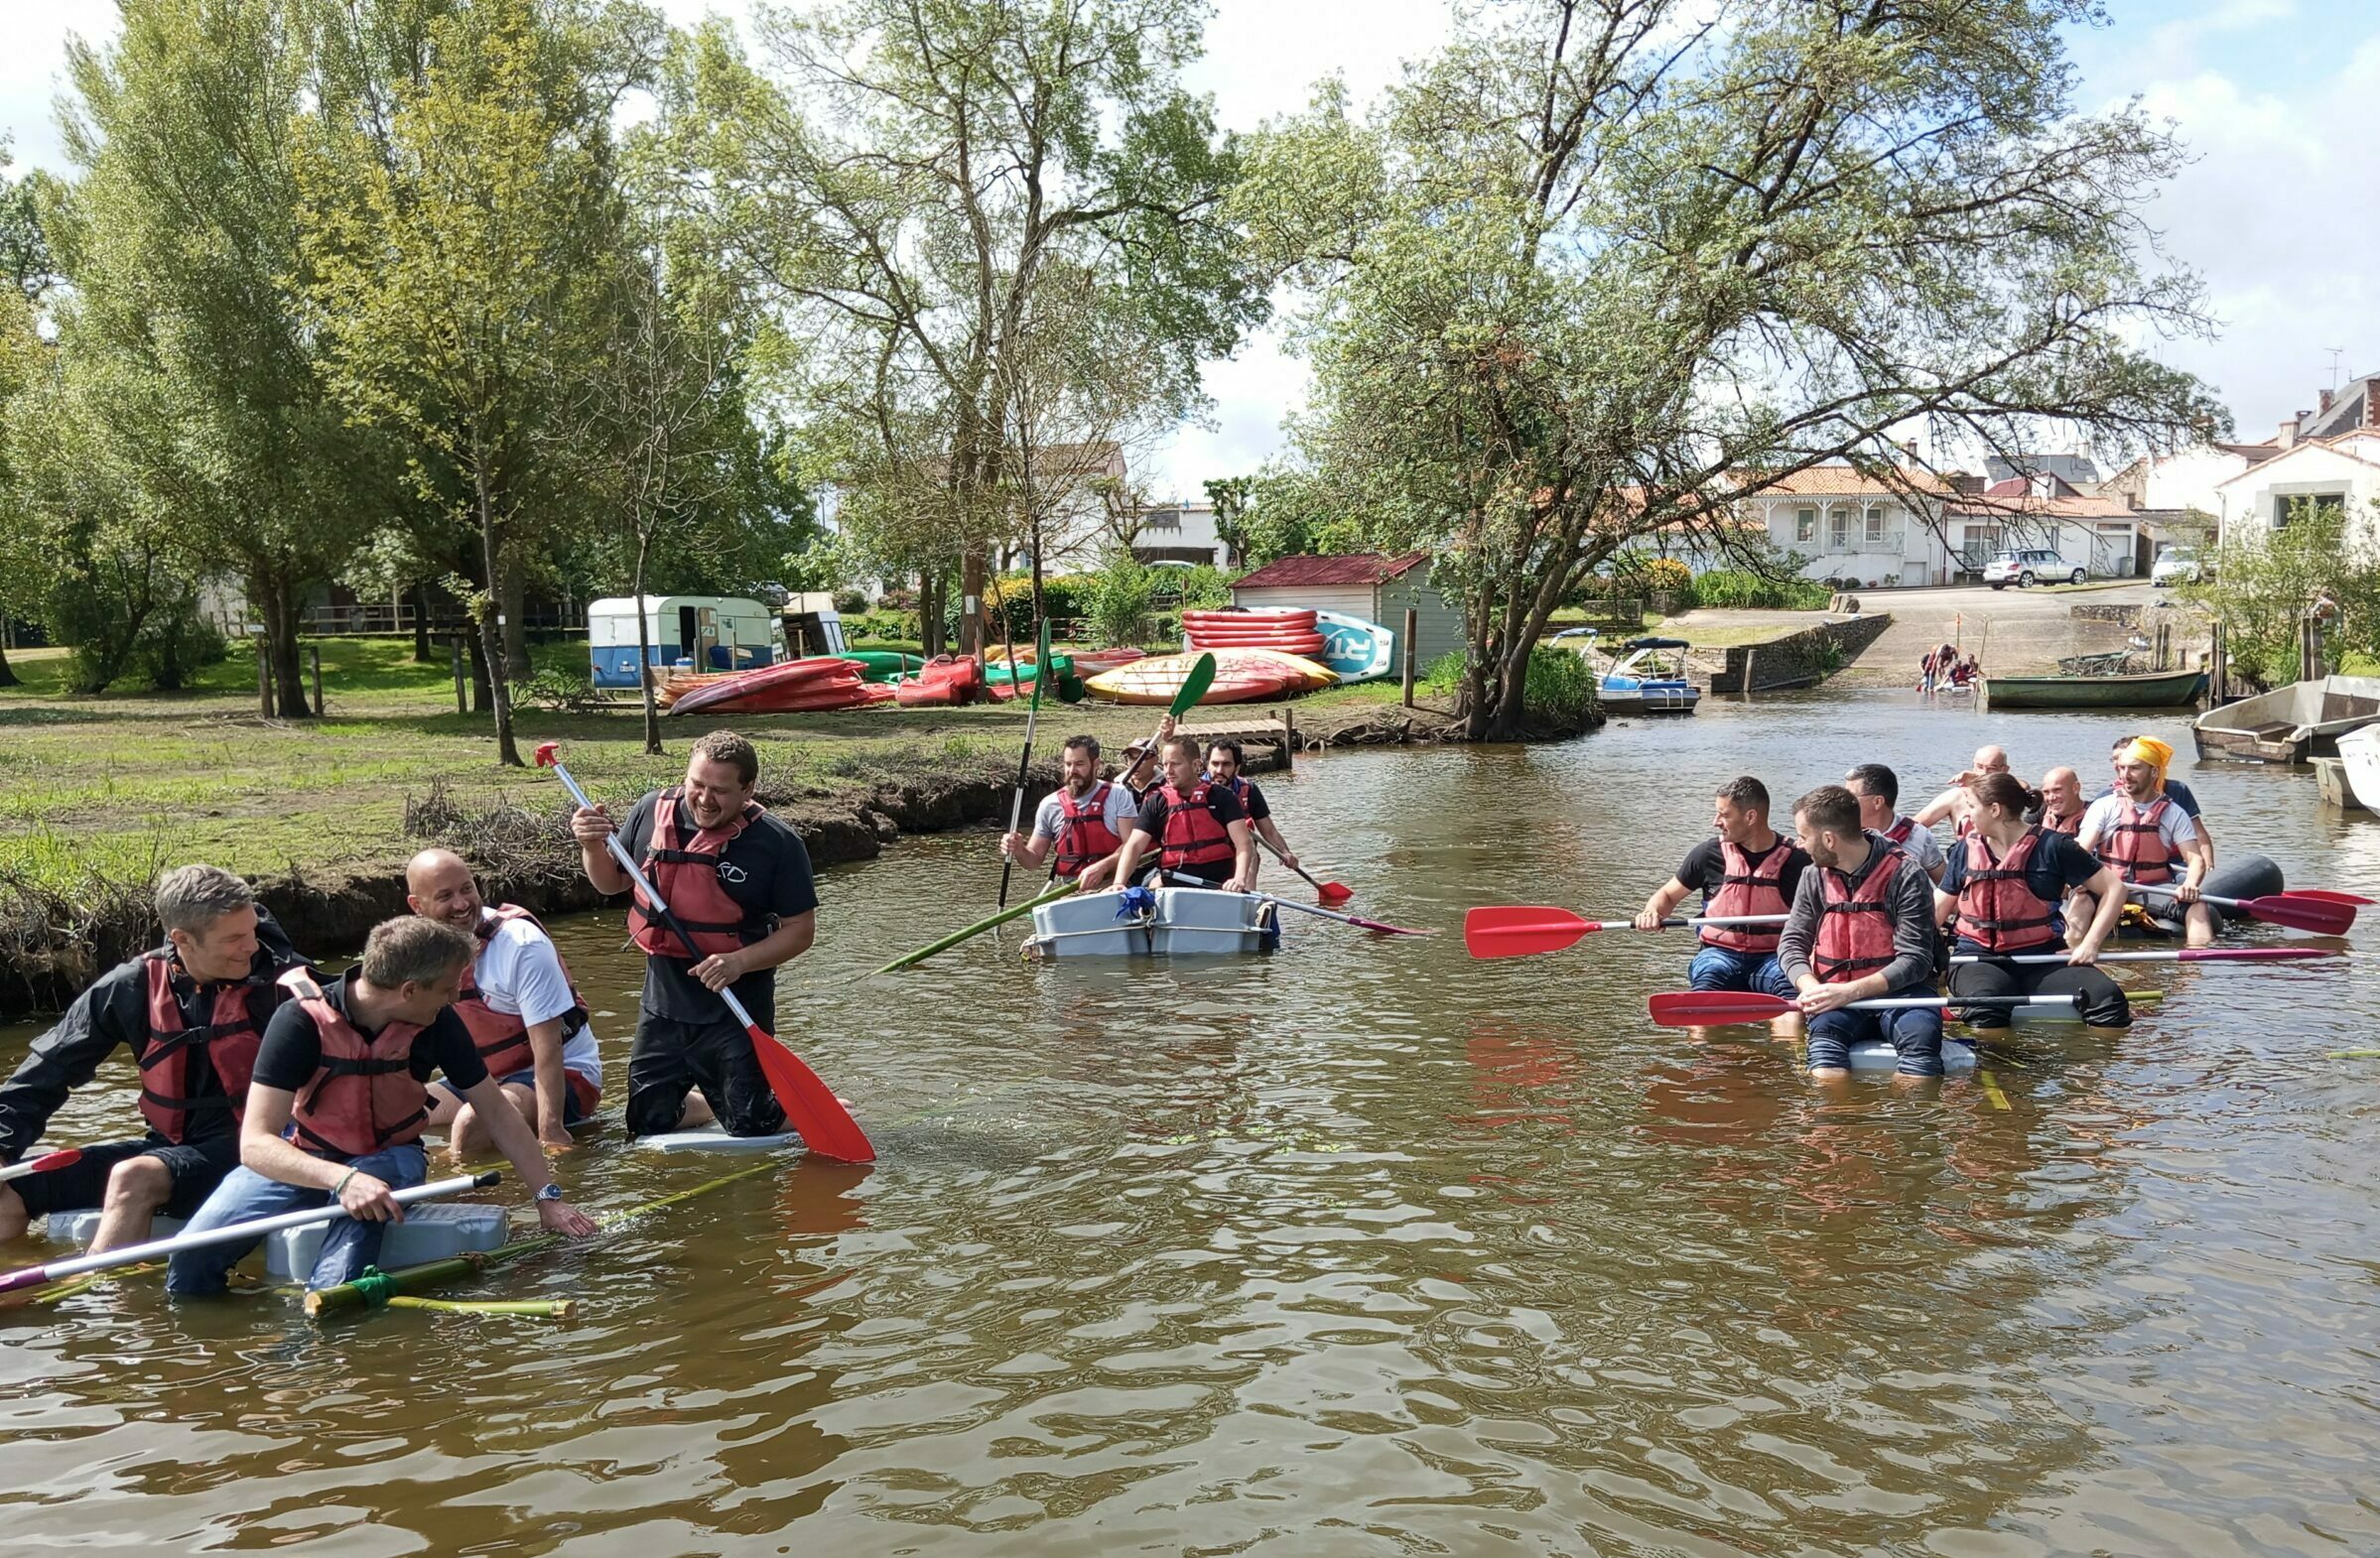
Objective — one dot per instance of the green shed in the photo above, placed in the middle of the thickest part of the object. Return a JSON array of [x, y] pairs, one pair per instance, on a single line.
[[1363, 584]]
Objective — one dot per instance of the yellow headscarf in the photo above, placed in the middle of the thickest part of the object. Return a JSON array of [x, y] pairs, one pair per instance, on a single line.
[[2148, 749]]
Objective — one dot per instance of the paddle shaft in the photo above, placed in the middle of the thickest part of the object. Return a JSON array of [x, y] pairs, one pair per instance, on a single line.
[[2194, 955], [1355, 920], [229, 1234], [48, 1162], [1033, 715], [1062, 890]]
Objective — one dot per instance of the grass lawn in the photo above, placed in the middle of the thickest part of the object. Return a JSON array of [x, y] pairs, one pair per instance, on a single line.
[[123, 782]]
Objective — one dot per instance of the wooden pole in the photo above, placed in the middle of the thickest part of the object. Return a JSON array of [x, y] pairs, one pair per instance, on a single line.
[[461, 704], [1750, 655], [1289, 737], [264, 681], [1412, 621], [315, 655]]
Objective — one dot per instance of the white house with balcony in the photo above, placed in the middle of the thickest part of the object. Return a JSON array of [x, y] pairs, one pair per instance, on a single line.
[[2340, 473], [1872, 531], [1178, 533]]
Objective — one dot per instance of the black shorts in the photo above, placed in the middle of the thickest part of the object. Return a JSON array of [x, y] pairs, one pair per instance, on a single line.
[[196, 1167], [671, 1058]]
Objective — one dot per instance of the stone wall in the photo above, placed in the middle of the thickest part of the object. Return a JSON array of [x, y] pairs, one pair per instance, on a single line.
[[1801, 659]]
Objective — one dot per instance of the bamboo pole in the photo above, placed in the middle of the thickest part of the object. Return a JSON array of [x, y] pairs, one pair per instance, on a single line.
[[542, 1309]]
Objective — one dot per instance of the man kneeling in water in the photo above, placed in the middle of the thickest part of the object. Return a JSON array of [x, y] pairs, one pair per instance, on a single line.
[[2005, 881]]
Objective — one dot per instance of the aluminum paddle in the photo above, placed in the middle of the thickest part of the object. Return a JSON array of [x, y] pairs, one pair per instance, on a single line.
[[48, 1162], [1525, 930], [2297, 911], [826, 1127], [1375, 927], [229, 1234], [2192, 955]]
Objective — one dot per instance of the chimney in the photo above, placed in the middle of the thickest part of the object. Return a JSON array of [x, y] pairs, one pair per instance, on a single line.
[[2323, 401], [1910, 445], [2288, 433]]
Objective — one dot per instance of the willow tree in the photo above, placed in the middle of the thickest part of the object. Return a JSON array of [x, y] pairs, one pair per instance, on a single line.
[[1598, 268], [459, 256], [906, 182]]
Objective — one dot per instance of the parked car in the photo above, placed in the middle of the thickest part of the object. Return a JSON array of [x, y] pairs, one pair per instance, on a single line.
[[2030, 566], [2177, 565]]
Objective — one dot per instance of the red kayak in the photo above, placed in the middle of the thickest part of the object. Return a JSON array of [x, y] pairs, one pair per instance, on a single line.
[[1275, 618], [767, 686]]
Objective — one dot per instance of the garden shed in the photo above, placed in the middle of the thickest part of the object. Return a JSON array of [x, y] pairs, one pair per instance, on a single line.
[[1360, 584], [706, 632]]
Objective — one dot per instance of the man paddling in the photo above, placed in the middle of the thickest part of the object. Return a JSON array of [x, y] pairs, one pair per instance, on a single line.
[[2145, 834], [1746, 870], [1956, 803], [522, 1010], [1226, 762], [1196, 828], [1862, 926], [1878, 791], [339, 1099], [738, 881], [1083, 821], [192, 1012], [2007, 882]]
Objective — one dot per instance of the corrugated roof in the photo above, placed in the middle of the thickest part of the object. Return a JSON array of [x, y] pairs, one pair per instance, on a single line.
[[1360, 568]]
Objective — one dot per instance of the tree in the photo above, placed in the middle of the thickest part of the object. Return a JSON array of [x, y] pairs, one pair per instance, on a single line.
[[457, 269], [1594, 271], [185, 262], [2324, 559], [920, 177]]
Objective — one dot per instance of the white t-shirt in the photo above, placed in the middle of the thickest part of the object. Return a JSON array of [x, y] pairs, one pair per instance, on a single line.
[[1120, 812], [1924, 849], [2176, 827], [520, 972]]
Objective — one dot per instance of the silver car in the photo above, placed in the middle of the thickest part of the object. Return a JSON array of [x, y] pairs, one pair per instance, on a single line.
[[2031, 566]]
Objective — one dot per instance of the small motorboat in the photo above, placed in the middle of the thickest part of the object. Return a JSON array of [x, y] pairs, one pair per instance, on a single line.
[[2289, 725], [2359, 755], [1147, 922], [1641, 675]]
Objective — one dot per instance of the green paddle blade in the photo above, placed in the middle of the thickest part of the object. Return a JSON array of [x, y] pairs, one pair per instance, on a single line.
[[1041, 672], [1194, 686]]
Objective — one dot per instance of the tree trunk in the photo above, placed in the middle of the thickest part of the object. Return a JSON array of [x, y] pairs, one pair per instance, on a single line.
[[929, 612], [516, 628], [975, 576], [280, 599], [644, 651], [421, 625], [491, 633], [8, 676], [483, 695]]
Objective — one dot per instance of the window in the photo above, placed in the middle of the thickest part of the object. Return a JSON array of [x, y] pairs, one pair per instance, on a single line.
[[1805, 524], [1875, 524], [2289, 508], [1838, 530]]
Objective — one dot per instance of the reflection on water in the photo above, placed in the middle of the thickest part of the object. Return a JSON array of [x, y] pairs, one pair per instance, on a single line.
[[1365, 1247]]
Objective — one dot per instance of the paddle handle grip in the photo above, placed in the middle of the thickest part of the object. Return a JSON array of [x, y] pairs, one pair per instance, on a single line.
[[229, 1234], [48, 1162], [2163, 891]]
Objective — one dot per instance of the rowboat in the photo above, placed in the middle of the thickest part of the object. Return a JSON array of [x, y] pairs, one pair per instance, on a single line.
[[1154, 679], [2151, 690], [1358, 650], [1142, 922], [2290, 723]]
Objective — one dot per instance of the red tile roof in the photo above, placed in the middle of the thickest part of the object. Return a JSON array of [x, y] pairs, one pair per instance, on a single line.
[[1360, 568], [1835, 481], [2064, 506]]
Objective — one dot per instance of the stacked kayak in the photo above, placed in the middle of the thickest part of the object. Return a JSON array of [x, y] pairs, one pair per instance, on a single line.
[[1242, 675], [1294, 632], [1097, 662], [796, 685], [1155, 921], [945, 682], [1358, 650], [1002, 681]]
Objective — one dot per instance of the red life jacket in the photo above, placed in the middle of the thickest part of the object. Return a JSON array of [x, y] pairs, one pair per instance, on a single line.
[[363, 1096], [169, 1089], [2132, 843], [1902, 827], [1192, 836], [1855, 926], [1749, 886], [1997, 909], [502, 1037], [686, 875], [2070, 824], [1083, 837]]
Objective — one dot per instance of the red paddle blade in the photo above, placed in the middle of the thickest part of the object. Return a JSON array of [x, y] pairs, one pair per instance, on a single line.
[[1518, 929], [1334, 892], [827, 1127], [2304, 913], [2353, 900], [1695, 1008], [2251, 955], [546, 754]]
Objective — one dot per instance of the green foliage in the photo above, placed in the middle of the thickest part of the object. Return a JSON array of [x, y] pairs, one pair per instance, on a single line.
[[1443, 678], [2263, 584], [1115, 605], [1559, 688], [565, 689], [1204, 587], [1743, 591], [1662, 573]]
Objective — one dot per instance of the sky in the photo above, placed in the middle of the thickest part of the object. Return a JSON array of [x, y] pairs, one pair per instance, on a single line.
[[2280, 213]]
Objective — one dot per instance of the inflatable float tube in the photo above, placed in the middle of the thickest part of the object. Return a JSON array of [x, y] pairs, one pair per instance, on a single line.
[[712, 1138], [431, 1231], [2249, 876]]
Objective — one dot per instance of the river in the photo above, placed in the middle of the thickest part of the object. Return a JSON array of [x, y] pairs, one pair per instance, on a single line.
[[1361, 1248]]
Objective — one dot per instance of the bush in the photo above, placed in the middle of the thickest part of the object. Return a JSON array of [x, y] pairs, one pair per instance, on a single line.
[[1731, 587], [1444, 677], [851, 602], [1115, 607], [1662, 573], [176, 645], [560, 691], [1560, 688]]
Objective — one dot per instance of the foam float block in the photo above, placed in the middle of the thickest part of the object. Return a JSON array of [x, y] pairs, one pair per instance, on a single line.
[[431, 1231], [80, 1227], [712, 1138], [1875, 1055]]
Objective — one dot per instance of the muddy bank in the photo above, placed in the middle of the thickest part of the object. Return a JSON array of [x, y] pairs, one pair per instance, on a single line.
[[1394, 724], [52, 946]]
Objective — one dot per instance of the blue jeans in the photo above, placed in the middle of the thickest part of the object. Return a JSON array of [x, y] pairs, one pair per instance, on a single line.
[[1723, 969], [347, 1246], [1915, 1033]]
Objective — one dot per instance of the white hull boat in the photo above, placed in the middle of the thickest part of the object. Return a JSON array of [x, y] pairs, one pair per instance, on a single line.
[[2289, 725], [2359, 755], [1165, 922]]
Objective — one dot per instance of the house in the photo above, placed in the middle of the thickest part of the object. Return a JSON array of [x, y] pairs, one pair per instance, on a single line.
[[2075, 470], [1179, 533], [2097, 534], [1067, 490], [1872, 530], [1365, 585], [2165, 491], [2340, 473]]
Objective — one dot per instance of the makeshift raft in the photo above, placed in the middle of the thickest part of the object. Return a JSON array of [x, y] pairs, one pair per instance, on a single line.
[[1145, 921]]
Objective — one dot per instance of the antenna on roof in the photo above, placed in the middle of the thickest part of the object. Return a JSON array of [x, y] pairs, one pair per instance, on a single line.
[[2336, 352]]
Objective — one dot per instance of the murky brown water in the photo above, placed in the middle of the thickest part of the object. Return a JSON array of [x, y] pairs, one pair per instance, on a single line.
[[1365, 1248]]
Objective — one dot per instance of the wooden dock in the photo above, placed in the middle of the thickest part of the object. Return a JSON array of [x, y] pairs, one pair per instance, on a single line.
[[1278, 731]]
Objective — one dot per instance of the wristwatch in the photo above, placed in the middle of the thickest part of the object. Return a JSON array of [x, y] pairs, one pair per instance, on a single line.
[[548, 1192]]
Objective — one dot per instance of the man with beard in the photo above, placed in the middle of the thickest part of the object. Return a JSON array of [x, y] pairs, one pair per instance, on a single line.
[[2145, 834], [1193, 827], [1083, 823], [523, 1013], [737, 880], [1861, 927]]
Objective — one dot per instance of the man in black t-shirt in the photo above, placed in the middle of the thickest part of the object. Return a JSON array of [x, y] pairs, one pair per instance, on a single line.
[[738, 881], [1739, 956], [325, 1076], [1196, 828], [1225, 760]]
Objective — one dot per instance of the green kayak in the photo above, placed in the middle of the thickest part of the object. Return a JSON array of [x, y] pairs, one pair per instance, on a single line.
[[883, 665], [1000, 670]]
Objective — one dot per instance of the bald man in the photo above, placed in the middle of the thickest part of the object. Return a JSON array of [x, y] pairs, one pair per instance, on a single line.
[[517, 1000], [2061, 805], [1956, 804]]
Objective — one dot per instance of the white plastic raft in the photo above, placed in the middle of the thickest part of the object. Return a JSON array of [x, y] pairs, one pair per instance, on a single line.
[[1177, 922], [431, 1231], [713, 1138], [1958, 1055]]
